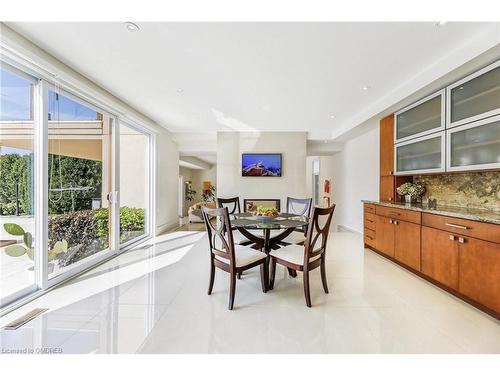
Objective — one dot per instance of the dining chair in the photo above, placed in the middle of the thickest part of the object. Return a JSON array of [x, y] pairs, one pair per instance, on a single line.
[[309, 256], [233, 206], [299, 207], [227, 256]]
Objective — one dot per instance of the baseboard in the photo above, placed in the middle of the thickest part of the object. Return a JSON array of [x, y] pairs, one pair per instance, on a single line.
[[161, 229], [345, 228]]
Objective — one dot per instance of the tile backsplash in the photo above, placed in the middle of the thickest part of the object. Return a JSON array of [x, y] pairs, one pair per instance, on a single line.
[[474, 189]]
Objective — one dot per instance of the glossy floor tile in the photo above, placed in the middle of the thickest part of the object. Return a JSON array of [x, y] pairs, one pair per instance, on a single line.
[[153, 300]]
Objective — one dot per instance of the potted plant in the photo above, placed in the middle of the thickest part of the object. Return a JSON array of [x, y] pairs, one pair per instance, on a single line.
[[410, 191], [208, 195]]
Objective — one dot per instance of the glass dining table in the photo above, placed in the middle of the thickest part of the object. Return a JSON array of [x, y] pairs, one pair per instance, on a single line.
[[259, 232]]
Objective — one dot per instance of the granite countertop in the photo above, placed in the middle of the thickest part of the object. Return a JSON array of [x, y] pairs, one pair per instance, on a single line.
[[477, 214]]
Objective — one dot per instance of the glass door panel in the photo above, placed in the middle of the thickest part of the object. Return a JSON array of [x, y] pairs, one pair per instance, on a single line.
[[79, 180], [422, 155], [475, 146], [134, 183], [475, 97], [421, 118], [17, 206]]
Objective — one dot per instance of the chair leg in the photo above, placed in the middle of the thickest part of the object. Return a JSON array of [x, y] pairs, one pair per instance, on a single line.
[[272, 272], [212, 278], [323, 275], [239, 275], [232, 289], [264, 276], [307, 292]]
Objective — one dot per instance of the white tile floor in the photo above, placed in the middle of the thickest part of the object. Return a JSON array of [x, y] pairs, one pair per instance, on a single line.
[[153, 300]]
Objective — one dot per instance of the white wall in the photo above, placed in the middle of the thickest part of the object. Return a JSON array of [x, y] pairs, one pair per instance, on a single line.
[[167, 182], [230, 146], [355, 173]]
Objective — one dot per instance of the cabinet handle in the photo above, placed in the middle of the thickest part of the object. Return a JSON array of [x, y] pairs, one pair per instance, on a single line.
[[452, 237], [456, 226], [396, 222], [390, 221], [394, 213], [390, 198], [461, 240]]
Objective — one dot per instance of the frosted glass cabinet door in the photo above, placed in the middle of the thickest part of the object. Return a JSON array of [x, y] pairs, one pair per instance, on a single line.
[[421, 118], [475, 146], [475, 97], [422, 155]]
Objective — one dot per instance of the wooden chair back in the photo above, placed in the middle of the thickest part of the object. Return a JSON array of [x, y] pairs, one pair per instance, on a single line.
[[315, 232], [232, 204], [220, 235]]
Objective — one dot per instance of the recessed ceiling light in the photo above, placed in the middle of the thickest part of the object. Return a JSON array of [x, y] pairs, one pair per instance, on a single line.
[[132, 27], [365, 88], [332, 116], [441, 23], [180, 91]]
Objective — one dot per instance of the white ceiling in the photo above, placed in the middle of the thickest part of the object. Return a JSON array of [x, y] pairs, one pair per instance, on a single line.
[[192, 77]]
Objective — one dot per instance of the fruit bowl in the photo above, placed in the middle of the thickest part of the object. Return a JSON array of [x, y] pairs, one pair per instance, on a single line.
[[265, 214]]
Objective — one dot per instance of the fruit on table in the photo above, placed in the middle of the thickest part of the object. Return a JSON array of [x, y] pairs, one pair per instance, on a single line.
[[266, 211]]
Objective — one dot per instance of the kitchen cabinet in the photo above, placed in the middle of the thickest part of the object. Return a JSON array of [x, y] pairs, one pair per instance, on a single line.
[[397, 238], [479, 277], [474, 97], [474, 146], [385, 235], [421, 118], [440, 256], [386, 146], [421, 155], [407, 244]]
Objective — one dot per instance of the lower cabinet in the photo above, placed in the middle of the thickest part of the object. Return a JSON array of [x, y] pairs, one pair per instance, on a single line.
[[479, 277], [400, 240], [440, 256], [385, 235], [407, 244]]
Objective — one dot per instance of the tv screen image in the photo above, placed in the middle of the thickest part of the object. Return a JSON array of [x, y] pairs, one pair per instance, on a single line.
[[261, 165]]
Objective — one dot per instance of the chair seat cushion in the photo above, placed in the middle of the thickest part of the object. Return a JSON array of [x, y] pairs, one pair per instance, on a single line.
[[244, 256], [292, 254], [295, 237]]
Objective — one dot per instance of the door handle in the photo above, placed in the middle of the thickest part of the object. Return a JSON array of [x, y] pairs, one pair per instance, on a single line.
[[456, 226]]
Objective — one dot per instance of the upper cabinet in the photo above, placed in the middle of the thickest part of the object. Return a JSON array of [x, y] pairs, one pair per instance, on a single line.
[[475, 97], [474, 146], [421, 118], [422, 155]]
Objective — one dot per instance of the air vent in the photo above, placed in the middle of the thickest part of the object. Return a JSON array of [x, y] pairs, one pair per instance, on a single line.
[[24, 319]]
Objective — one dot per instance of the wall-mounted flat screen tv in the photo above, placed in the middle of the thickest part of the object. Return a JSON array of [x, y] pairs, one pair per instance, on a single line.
[[261, 165]]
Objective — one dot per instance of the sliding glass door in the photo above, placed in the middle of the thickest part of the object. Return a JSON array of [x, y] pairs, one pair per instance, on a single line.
[[17, 188], [134, 183], [76, 184], [80, 172]]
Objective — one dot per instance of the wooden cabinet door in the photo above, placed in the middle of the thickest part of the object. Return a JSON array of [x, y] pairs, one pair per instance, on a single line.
[[387, 146], [440, 256], [480, 272], [407, 244], [387, 191], [385, 236]]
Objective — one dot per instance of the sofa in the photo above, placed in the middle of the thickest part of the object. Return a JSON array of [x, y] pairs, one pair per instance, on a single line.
[[194, 211]]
